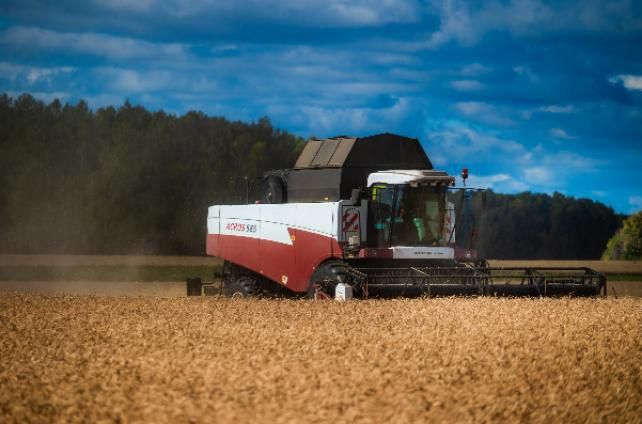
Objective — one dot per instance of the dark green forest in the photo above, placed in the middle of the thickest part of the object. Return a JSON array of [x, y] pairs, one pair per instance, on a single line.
[[122, 180], [126, 180], [539, 226]]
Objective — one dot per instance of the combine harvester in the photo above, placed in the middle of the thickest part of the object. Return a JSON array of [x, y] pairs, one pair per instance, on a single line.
[[369, 217]]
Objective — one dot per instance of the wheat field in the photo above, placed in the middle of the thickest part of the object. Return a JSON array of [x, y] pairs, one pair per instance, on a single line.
[[90, 359]]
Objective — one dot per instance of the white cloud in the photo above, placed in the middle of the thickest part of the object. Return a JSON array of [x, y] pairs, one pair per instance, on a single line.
[[630, 82], [344, 12], [526, 72], [410, 75], [310, 74], [328, 121], [514, 186], [552, 109], [549, 171], [488, 180], [561, 134], [467, 22], [438, 159], [556, 109], [361, 88], [134, 81], [514, 167], [131, 81], [31, 74], [102, 45], [467, 85], [368, 13], [37, 74], [571, 161], [538, 175], [388, 58], [460, 144], [635, 202], [475, 69], [327, 13], [10, 70], [128, 5], [472, 108], [456, 24], [498, 182], [483, 112]]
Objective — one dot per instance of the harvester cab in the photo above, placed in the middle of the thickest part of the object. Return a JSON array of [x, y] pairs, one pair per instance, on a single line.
[[404, 208], [413, 214], [370, 217], [409, 208]]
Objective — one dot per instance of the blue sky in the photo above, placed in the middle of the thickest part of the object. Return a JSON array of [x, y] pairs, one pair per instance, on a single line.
[[528, 94]]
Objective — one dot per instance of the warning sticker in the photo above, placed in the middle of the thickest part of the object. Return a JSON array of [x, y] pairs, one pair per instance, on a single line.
[[351, 220]]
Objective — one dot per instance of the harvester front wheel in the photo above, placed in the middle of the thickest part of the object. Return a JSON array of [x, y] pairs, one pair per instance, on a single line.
[[324, 280], [243, 286]]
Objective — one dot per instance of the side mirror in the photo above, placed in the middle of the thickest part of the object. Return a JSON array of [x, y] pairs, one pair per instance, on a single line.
[[355, 196]]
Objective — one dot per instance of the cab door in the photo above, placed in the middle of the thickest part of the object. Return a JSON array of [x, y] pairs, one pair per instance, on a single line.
[[380, 211]]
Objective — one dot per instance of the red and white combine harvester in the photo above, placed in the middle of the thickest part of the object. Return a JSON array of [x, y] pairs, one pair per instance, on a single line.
[[369, 217]]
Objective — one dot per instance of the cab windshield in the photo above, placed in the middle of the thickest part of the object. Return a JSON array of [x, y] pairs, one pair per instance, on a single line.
[[401, 215]]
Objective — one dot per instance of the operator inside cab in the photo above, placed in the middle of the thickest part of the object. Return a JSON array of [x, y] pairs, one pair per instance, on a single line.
[[403, 215]]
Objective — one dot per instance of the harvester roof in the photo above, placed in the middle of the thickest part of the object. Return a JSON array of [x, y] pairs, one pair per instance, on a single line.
[[411, 176]]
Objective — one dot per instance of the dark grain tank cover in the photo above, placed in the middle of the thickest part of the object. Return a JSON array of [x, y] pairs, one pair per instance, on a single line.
[[383, 151], [329, 169]]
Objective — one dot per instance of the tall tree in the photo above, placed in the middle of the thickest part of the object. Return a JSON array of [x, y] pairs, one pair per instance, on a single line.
[[627, 242]]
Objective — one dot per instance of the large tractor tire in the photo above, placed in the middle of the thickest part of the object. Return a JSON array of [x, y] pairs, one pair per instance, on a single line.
[[325, 278], [241, 286], [274, 190]]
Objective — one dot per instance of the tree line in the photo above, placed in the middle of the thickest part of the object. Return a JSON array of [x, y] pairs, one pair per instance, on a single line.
[[124, 180], [540, 226]]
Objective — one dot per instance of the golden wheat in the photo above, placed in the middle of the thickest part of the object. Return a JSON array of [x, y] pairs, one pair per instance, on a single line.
[[67, 358]]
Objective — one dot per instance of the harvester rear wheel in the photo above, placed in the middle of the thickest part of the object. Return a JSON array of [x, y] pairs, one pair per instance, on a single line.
[[243, 286]]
